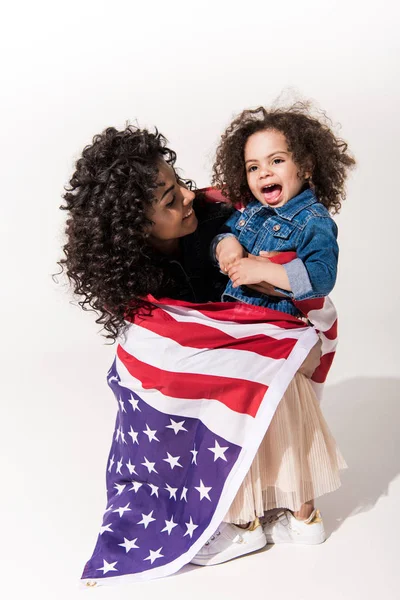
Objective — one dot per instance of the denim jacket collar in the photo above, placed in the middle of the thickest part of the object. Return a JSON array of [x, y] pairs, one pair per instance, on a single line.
[[289, 210]]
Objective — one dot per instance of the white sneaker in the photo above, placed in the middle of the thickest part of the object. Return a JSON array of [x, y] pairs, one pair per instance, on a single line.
[[283, 528], [230, 541]]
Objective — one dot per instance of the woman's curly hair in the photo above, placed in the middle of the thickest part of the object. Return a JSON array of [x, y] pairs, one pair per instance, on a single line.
[[311, 141], [108, 259]]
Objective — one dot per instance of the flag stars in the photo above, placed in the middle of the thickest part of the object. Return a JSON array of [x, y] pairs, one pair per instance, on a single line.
[[104, 528], [122, 405], [119, 466], [135, 486], [107, 567], [195, 453], [190, 528], [146, 519], [219, 451], [120, 488], [154, 554], [131, 467], [111, 463], [122, 509], [203, 491], [117, 434], [154, 490], [172, 491], [151, 434], [134, 403], [183, 494], [169, 525], [173, 461], [122, 436], [149, 465], [134, 436], [176, 426], [129, 544]]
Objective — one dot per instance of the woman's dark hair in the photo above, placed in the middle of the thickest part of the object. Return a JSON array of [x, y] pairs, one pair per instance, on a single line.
[[108, 259], [311, 141]]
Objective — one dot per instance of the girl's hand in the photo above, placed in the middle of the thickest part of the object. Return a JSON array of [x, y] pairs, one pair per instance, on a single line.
[[264, 287], [246, 271], [228, 251]]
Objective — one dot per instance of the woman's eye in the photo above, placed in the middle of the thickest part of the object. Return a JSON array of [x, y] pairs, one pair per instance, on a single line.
[[169, 204]]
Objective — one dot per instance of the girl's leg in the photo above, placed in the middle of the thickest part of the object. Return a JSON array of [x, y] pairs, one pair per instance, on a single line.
[[305, 511]]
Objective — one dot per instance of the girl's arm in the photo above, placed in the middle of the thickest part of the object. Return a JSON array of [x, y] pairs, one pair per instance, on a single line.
[[312, 274], [248, 271]]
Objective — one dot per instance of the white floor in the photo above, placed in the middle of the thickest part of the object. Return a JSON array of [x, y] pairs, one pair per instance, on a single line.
[[55, 494]]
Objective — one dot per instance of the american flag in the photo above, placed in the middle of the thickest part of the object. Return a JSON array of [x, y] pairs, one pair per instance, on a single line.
[[196, 388]]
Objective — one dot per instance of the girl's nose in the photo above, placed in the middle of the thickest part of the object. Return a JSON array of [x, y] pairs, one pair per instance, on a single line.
[[265, 171]]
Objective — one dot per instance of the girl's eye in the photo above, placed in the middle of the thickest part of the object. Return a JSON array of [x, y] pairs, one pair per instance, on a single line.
[[169, 204], [252, 168], [277, 161]]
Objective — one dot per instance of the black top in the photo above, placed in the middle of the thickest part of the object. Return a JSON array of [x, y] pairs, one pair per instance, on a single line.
[[193, 276]]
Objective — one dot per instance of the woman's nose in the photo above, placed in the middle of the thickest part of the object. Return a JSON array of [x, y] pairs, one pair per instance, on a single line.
[[188, 195]]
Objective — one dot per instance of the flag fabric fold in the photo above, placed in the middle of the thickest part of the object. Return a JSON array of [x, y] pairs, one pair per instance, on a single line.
[[196, 388]]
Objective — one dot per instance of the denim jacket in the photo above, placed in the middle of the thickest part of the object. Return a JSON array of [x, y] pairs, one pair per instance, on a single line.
[[302, 225]]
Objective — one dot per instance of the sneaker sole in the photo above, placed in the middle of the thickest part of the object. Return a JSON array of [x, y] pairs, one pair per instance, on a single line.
[[231, 554]]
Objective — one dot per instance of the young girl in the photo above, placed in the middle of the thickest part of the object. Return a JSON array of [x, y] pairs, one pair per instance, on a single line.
[[288, 169]]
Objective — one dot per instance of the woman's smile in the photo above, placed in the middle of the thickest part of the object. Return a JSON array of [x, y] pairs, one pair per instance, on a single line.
[[189, 213]]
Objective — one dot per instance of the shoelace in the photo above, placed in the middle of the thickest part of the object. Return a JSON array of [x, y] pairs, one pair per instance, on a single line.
[[212, 538]]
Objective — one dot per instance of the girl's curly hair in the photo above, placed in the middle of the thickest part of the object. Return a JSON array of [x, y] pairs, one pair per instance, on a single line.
[[310, 139], [108, 259]]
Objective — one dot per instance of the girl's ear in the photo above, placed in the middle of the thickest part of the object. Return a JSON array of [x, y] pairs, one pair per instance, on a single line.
[[308, 169]]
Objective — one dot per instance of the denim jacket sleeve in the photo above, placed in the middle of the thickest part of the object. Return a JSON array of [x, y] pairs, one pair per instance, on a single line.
[[318, 252]]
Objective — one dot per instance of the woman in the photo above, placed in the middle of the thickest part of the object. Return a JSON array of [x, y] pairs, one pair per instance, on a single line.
[[137, 232]]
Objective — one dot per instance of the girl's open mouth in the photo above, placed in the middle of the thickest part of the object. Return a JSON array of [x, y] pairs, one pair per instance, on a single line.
[[271, 193]]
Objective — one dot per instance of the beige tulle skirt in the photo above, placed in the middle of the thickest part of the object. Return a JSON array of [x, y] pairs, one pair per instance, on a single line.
[[297, 460]]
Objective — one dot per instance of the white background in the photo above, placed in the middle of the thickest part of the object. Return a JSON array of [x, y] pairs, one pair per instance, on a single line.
[[70, 69]]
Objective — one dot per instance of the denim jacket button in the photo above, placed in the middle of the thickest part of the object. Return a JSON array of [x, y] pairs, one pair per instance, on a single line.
[[276, 227], [241, 222]]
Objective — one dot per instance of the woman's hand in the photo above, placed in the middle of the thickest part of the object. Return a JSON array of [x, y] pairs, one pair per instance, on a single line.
[[228, 251]]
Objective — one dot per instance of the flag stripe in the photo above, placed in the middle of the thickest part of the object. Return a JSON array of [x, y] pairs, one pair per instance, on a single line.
[[239, 395], [229, 327], [332, 333], [235, 312], [231, 425], [220, 362], [203, 336], [321, 371]]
